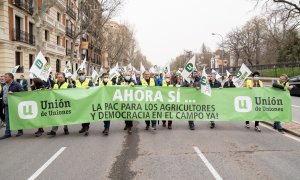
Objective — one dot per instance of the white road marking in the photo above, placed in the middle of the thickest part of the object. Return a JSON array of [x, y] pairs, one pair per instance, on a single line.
[[295, 106], [207, 163], [39, 171], [286, 135]]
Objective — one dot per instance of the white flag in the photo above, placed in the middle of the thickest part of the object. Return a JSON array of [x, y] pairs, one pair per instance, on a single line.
[[242, 75], [82, 67], [114, 72], [227, 74], [40, 68], [142, 68], [95, 76], [154, 69], [205, 86], [166, 69], [129, 67], [188, 69], [217, 74], [68, 70], [101, 71], [14, 70]]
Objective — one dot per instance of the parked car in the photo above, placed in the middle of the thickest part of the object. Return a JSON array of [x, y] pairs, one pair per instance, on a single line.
[[295, 81]]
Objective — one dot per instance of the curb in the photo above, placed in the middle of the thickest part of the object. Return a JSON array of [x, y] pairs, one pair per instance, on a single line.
[[284, 129]]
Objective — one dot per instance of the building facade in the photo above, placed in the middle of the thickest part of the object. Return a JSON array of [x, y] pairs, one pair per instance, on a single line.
[[17, 36]]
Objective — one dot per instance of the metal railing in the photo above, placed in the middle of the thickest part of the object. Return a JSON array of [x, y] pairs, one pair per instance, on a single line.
[[69, 32], [68, 52], [24, 5], [24, 37], [71, 12]]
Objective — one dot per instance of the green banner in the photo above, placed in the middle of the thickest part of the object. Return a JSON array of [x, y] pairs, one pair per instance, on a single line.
[[74, 106]]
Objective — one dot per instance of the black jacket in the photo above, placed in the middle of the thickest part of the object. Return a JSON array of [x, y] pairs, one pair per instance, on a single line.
[[229, 84], [216, 84]]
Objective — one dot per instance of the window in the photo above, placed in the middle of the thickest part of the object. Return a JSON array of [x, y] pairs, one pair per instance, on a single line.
[[30, 60], [57, 65], [58, 16], [58, 40], [18, 61], [46, 35]]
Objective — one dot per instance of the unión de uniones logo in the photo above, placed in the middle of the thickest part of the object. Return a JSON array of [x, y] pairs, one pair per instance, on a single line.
[[27, 110], [243, 104]]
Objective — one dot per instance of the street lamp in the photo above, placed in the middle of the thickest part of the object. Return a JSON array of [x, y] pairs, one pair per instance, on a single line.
[[215, 34]]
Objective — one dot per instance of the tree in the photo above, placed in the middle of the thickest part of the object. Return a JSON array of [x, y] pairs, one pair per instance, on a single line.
[[92, 16], [252, 39], [233, 44], [39, 14]]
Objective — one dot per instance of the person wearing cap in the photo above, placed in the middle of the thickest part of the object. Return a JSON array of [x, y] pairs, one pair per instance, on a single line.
[[167, 82], [105, 82], [148, 81], [193, 83], [214, 83], [255, 82], [61, 83], [127, 81], [83, 82], [281, 83], [229, 83]]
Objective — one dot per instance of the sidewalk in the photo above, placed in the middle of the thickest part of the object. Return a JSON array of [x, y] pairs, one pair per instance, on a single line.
[[290, 127]]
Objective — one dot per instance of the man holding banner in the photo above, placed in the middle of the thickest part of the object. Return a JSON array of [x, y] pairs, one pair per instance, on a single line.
[[83, 82], [105, 82], [192, 83], [127, 81], [61, 84], [147, 81], [10, 87], [214, 83]]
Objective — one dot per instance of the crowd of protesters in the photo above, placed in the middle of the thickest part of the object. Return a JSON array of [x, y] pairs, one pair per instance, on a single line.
[[9, 85]]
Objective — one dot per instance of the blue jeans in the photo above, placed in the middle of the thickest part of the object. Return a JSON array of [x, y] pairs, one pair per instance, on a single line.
[[277, 125], [106, 124], [7, 130]]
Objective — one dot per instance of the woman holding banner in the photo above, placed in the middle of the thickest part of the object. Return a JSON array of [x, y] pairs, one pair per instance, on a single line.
[[255, 82], [38, 84]]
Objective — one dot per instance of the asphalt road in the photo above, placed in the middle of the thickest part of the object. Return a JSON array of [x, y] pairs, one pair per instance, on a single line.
[[233, 152]]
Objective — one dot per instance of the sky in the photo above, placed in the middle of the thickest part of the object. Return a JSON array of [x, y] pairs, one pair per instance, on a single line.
[[165, 28]]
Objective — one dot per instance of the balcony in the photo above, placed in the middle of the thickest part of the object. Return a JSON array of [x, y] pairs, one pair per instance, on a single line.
[[60, 49], [71, 12], [69, 32], [60, 28], [54, 48], [24, 37], [50, 21], [68, 52], [25, 5], [61, 4]]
